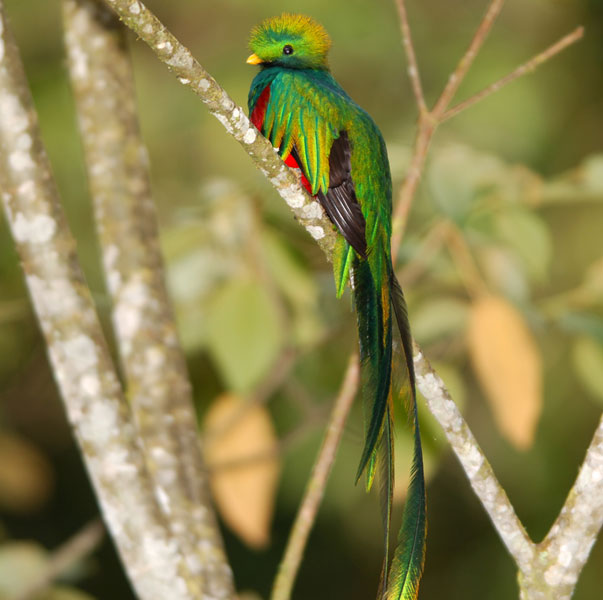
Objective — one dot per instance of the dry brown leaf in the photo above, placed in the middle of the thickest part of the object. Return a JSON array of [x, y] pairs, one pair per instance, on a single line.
[[244, 466], [26, 476], [507, 362]]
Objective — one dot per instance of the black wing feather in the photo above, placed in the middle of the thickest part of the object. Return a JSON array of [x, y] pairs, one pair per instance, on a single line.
[[340, 202]]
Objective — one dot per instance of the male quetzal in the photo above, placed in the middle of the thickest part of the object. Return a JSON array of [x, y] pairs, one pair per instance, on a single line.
[[297, 104]]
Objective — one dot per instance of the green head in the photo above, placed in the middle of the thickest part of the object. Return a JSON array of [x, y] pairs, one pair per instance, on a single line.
[[293, 41]]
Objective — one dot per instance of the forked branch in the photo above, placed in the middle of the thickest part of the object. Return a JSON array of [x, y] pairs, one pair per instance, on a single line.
[[429, 120]]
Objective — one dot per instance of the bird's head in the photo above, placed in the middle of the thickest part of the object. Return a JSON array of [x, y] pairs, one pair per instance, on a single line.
[[293, 41]]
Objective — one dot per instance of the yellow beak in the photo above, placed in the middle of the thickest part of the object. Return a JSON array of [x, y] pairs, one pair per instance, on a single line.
[[254, 59]]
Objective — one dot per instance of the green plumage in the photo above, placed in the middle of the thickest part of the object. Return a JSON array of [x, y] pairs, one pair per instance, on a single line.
[[299, 106]]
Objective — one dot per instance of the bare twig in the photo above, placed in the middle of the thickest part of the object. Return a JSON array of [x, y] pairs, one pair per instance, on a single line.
[[458, 75], [413, 67], [527, 67], [157, 382], [465, 263], [81, 363], [287, 572], [551, 569], [64, 557], [429, 120], [425, 131]]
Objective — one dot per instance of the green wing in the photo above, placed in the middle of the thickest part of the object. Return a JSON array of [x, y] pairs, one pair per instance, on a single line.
[[304, 117], [306, 122]]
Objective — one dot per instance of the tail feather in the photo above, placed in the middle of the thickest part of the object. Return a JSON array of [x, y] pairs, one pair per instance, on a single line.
[[375, 335], [376, 292], [386, 489], [409, 556]]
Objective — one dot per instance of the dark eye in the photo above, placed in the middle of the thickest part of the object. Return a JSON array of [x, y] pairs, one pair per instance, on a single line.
[[287, 49]]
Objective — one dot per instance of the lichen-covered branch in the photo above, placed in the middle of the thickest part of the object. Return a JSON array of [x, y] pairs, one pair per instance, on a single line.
[[155, 371], [474, 463], [563, 553], [190, 73], [549, 570], [78, 352]]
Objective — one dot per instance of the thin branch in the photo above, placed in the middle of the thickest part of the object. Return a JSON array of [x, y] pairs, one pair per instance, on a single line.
[[527, 67], [190, 73], [425, 131], [287, 572], [429, 247], [81, 363], [466, 61], [413, 67], [430, 120], [465, 263], [155, 370], [75, 549]]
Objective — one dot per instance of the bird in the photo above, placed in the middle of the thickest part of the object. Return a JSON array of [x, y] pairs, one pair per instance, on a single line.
[[296, 103]]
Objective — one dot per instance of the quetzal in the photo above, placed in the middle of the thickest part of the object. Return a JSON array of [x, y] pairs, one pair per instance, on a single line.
[[297, 104]]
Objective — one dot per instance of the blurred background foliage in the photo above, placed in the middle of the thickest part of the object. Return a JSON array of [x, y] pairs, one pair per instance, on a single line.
[[511, 204]]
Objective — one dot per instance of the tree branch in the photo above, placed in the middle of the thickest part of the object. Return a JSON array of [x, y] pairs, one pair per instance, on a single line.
[[157, 382], [429, 120], [77, 350], [65, 557], [474, 463], [459, 74], [527, 67], [409, 49], [287, 571], [190, 73], [563, 553]]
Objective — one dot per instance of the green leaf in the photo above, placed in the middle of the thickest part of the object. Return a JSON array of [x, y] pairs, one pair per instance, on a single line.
[[60, 592], [592, 171], [527, 234], [244, 334], [504, 273], [297, 285], [459, 175], [587, 357], [20, 562], [294, 281], [440, 318], [587, 323]]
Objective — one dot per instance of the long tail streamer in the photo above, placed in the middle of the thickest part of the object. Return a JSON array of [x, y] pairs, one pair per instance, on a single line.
[[374, 304]]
